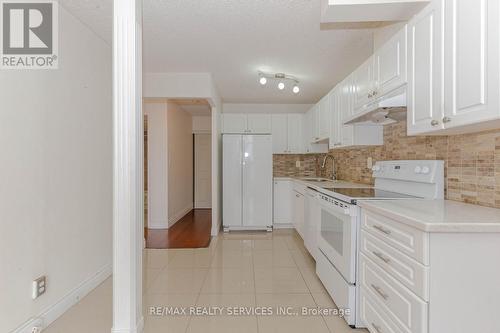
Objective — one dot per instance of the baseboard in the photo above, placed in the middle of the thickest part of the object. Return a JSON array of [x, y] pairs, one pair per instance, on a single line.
[[157, 224], [50, 314], [179, 215]]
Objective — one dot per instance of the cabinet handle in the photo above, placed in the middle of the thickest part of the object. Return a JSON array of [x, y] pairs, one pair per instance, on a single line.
[[382, 229], [381, 257], [369, 95], [377, 328], [375, 93], [380, 292], [446, 120], [434, 122], [298, 196]]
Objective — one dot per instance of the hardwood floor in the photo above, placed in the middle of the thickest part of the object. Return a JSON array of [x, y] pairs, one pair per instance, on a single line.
[[192, 231]]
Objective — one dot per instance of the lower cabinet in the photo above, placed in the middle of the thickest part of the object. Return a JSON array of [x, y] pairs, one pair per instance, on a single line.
[[282, 208], [298, 211], [424, 282]]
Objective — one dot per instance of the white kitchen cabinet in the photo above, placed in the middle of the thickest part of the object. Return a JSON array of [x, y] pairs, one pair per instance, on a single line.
[[287, 133], [364, 85], [335, 117], [311, 222], [323, 121], [453, 67], [390, 64], [315, 123], [294, 133], [236, 123], [471, 44], [307, 138], [282, 208], [279, 133], [259, 123], [425, 76], [298, 200]]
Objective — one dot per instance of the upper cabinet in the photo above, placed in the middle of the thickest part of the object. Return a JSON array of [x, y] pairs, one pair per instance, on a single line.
[[324, 118], [425, 107], [363, 84], [460, 93], [471, 44], [382, 73], [390, 64], [236, 123], [308, 138], [287, 133]]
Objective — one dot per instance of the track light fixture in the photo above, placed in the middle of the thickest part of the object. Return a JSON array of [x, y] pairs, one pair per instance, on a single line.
[[282, 78]]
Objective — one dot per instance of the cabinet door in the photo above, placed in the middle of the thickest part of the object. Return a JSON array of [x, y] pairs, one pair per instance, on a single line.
[[390, 64], [335, 127], [324, 117], [233, 123], [282, 210], [315, 123], [294, 133], [298, 213], [425, 80], [346, 103], [279, 133], [471, 61], [363, 85], [259, 124]]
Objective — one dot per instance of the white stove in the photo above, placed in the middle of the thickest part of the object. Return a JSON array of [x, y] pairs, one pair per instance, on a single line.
[[339, 223]]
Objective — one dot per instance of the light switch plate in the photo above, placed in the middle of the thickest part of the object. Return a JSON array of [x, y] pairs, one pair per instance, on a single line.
[[297, 164], [39, 287]]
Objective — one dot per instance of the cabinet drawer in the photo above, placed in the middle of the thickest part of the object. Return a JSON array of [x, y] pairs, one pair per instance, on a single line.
[[406, 270], [410, 241], [371, 315], [400, 304]]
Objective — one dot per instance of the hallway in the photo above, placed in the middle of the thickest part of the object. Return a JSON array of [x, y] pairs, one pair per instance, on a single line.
[[192, 231]]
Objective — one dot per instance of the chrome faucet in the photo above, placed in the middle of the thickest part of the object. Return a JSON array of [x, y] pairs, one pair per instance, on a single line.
[[333, 164]]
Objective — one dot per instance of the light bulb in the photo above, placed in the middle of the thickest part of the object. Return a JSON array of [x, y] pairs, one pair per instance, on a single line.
[[296, 89], [263, 80], [281, 86]]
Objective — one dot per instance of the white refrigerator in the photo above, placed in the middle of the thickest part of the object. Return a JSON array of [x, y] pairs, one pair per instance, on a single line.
[[247, 182]]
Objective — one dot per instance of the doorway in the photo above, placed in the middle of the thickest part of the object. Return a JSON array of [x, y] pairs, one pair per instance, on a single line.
[[202, 171]]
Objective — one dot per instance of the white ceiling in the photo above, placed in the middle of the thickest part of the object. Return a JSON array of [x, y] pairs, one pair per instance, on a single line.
[[233, 39]]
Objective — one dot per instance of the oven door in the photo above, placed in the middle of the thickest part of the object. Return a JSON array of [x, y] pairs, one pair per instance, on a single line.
[[337, 237]]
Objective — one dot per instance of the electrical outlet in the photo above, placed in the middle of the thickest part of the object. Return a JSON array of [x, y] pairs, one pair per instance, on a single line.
[[297, 164], [369, 163], [39, 287]]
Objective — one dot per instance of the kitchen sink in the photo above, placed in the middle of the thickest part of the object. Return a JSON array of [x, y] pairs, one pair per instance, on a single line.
[[315, 179]]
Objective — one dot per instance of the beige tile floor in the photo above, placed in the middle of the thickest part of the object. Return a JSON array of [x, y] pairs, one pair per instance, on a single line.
[[237, 270]]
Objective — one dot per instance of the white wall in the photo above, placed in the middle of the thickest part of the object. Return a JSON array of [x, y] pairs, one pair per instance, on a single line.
[[180, 162], [265, 108], [157, 164], [202, 124], [55, 176]]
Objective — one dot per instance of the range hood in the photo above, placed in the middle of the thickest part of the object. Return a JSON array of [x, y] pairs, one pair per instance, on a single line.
[[386, 110]]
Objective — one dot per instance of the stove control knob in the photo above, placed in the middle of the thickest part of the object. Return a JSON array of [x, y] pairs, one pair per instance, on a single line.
[[418, 169], [376, 168], [426, 170]]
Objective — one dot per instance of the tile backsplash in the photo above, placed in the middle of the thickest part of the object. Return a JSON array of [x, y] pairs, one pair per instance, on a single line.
[[472, 162]]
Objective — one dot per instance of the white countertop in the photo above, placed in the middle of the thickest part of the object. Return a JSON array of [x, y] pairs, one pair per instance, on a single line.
[[437, 215]]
